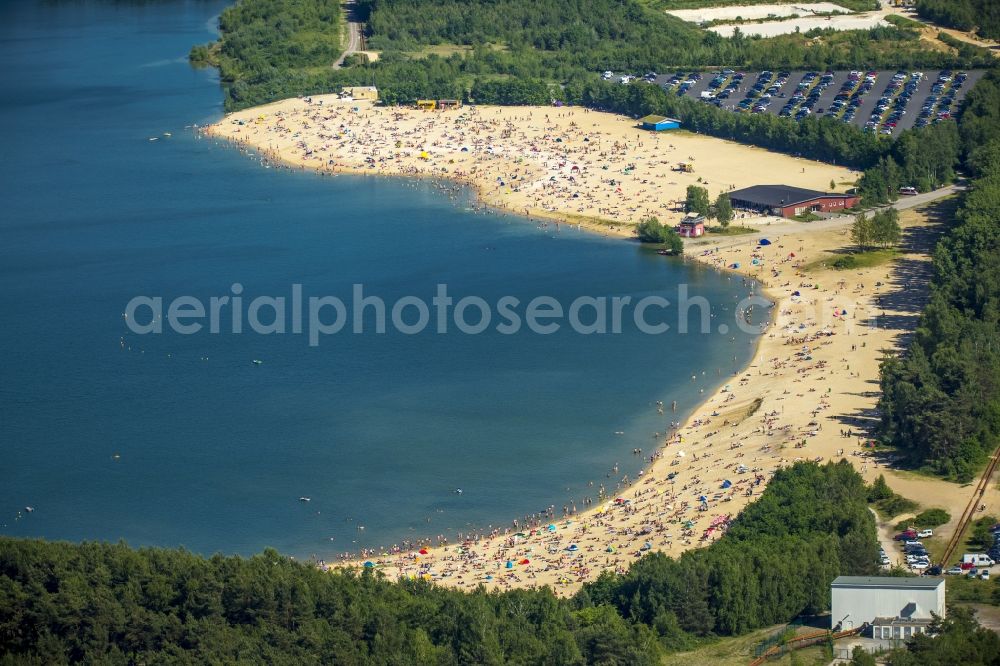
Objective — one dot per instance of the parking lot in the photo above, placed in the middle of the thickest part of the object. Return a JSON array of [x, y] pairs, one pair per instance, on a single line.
[[886, 102]]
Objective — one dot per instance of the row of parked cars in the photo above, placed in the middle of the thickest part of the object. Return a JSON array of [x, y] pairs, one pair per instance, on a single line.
[[973, 565], [917, 557], [807, 94], [941, 102], [896, 96], [763, 91], [852, 94]]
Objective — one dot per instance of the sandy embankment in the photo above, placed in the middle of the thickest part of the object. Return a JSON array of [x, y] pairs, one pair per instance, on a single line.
[[813, 379]]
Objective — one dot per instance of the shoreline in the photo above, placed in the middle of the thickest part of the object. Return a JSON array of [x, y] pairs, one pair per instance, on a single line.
[[645, 514]]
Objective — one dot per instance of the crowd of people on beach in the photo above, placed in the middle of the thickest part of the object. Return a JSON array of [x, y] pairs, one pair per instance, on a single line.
[[701, 472]]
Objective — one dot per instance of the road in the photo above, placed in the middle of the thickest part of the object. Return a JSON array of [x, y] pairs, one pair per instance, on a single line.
[[353, 33]]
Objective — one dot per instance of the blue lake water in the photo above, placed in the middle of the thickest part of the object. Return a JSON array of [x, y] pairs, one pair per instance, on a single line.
[[183, 440]]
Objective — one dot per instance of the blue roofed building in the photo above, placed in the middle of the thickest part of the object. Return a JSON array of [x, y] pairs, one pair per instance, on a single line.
[[659, 123]]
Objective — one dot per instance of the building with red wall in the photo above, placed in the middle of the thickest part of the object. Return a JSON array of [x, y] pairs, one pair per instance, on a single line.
[[787, 201]]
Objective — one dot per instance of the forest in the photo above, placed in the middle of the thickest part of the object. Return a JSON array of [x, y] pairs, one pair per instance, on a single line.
[[109, 603], [451, 48], [940, 404], [982, 16]]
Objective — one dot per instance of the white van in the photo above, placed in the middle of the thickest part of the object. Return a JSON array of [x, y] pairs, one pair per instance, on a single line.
[[978, 559]]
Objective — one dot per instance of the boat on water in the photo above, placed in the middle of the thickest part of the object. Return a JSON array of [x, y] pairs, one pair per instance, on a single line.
[[257, 361]]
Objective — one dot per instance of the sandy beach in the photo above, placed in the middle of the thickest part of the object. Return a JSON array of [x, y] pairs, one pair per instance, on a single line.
[[590, 168], [807, 395]]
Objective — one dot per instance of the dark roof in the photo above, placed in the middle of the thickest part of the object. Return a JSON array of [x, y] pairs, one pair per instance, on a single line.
[[922, 582], [779, 195]]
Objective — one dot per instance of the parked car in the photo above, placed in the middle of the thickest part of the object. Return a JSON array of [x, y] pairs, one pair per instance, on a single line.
[[985, 575], [905, 535], [923, 534], [933, 571], [954, 571]]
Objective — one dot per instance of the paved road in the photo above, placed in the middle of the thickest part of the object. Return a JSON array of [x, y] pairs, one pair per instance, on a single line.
[[353, 34]]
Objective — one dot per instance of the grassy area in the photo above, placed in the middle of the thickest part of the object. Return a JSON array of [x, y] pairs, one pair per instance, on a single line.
[[973, 590], [903, 22], [738, 651], [897, 505], [928, 518], [844, 262], [731, 230], [807, 216], [591, 221], [446, 50]]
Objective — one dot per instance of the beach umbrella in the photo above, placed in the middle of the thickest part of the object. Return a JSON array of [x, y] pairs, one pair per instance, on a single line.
[[551, 528], [702, 498], [736, 265], [680, 454], [572, 548], [796, 293], [423, 551], [763, 241], [369, 565], [521, 534], [488, 577], [610, 549], [510, 564], [525, 561], [727, 483]]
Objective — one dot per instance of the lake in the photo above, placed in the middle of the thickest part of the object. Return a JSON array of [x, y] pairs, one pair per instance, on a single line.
[[208, 440]]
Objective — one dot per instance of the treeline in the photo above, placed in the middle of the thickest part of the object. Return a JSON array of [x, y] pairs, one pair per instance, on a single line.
[[940, 404], [924, 158], [270, 49], [102, 603], [983, 16]]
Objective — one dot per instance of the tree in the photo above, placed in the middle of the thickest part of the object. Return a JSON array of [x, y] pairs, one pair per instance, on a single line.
[[861, 232], [650, 230], [885, 230], [859, 657], [723, 209], [697, 200]]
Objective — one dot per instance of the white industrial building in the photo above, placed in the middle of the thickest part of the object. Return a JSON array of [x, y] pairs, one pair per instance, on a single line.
[[895, 608]]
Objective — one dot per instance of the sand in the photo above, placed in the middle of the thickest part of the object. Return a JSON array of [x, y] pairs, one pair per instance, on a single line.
[[595, 168], [802, 24], [813, 380], [751, 12]]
